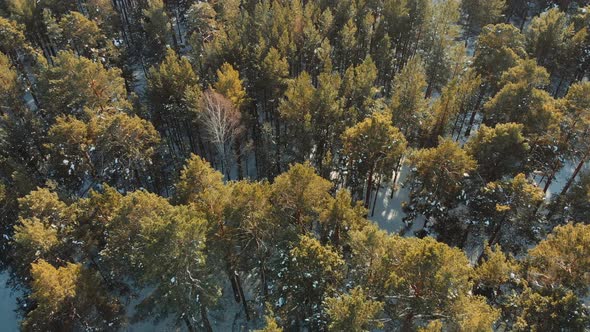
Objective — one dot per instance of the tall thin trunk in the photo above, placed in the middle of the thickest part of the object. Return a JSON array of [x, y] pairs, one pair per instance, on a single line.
[[238, 152], [189, 326], [263, 281], [205, 319], [556, 93], [495, 236], [550, 177], [369, 188], [242, 296], [461, 127], [474, 113], [573, 177], [376, 195], [396, 176], [178, 22]]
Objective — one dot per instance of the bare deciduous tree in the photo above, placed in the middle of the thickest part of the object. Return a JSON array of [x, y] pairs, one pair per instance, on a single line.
[[223, 125]]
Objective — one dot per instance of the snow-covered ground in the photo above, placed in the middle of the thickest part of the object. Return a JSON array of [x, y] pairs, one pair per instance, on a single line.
[[8, 316], [388, 211], [560, 180]]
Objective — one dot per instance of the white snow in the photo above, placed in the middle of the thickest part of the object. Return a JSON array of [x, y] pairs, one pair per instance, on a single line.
[[8, 316], [388, 212]]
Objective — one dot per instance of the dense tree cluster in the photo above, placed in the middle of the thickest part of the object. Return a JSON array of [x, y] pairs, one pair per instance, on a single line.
[[184, 161]]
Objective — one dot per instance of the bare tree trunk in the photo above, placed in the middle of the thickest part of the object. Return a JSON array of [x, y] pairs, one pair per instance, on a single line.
[[242, 296], [189, 326], [474, 113], [205, 319], [550, 177], [573, 177], [263, 279], [396, 176], [369, 188], [376, 194]]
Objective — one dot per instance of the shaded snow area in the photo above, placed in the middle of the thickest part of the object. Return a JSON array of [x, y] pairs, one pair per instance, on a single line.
[[561, 179], [8, 317], [388, 213]]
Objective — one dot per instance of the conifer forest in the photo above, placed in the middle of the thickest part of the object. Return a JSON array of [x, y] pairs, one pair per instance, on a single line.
[[295, 165]]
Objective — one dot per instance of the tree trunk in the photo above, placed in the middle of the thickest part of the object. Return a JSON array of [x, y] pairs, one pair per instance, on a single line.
[[234, 285], [178, 22], [242, 296], [376, 195], [263, 279], [205, 319], [556, 93], [369, 188], [550, 177], [429, 89], [189, 326], [238, 152], [495, 236], [474, 113], [573, 177], [396, 176]]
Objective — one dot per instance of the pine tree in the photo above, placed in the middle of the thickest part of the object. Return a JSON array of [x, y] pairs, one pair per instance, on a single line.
[[577, 126], [12, 38], [576, 200], [83, 35], [509, 209], [499, 47], [373, 251], [339, 218], [43, 226], [538, 113], [296, 111], [249, 216], [328, 121], [358, 90], [499, 151], [106, 15], [373, 148], [495, 269], [473, 313], [68, 298], [562, 258], [201, 20], [353, 312], [439, 42], [440, 171], [298, 196], [157, 29], [230, 85], [76, 82], [347, 46], [11, 91], [92, 217], [481, 13], [176, 262], [116, 148], [271, 325], [547, 37], [313, 272], [165, 247], [408, 106], [201, 185], [428, 273], [550, 309], [175, 100]]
